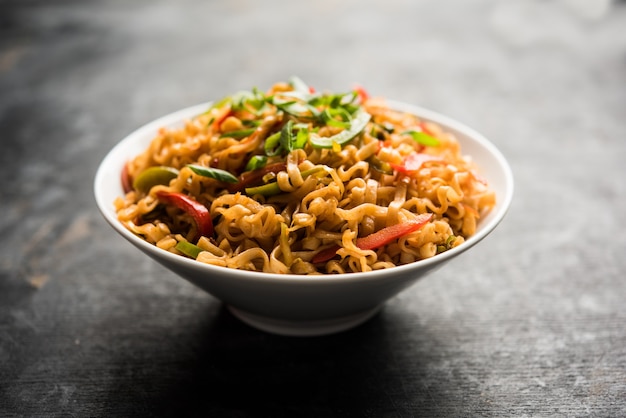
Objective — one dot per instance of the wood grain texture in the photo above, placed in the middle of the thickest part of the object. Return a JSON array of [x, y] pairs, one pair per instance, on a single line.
[[528, 323]]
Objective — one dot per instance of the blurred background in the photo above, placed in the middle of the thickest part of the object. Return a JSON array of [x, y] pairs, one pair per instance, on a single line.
[[529, 323]]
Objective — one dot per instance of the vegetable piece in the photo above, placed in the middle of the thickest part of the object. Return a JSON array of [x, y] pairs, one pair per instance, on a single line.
[[251, 177], [301, 138], [286, 136], [271, 189], [422, 138], [361, 92], [329, 117], [214, 173], [127, 184], [414, 161], [189, 249], [272, 145], [286, 140], [446, 245], [255, 162], [393, 232], [381, 131], [357, 124], [153, 176], [380, 238], [238, 134], [325, 255], [197, 210], [225, 112], [250, 101], [298, 85], [380, 165]]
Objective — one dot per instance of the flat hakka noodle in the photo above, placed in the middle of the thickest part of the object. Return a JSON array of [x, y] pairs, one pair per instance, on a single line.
[[327, 197]]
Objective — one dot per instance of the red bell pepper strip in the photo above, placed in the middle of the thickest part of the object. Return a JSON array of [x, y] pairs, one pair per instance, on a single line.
[[414, 161], [426, 130], [362, 93], [127, 184], [380, 238], [225, 112], [392, 233], [250, 177], [325, 255], [198, 211]]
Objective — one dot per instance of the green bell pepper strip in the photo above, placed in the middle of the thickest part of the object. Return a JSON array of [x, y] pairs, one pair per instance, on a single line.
[[154, 176], [189, 249], [357, 124]]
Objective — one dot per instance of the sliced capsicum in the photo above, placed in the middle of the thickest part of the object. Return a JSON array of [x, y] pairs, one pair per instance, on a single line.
[[196, 210], [414, 161], [153, 176], [379, 238]]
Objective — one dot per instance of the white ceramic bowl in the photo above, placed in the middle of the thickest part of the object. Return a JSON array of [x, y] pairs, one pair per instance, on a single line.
[[294, 304]]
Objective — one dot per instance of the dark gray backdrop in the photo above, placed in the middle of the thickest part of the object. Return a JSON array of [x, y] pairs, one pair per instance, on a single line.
[[529, 323]]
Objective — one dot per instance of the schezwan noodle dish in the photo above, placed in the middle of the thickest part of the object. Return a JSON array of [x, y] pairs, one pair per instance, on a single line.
[[297, 181]]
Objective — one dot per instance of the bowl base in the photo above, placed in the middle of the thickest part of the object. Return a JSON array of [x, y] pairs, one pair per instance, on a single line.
[[303, 328]]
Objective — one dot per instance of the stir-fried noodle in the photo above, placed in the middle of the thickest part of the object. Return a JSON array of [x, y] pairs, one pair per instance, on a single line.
[[295, 181]]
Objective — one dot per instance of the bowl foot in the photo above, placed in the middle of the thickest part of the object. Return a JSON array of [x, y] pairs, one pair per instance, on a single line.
[[303, 328]]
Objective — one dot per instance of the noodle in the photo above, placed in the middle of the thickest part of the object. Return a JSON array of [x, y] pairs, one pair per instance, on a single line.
[[294, 181]]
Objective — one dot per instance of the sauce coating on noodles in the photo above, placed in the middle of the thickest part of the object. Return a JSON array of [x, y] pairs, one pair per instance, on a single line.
[[291, 180]]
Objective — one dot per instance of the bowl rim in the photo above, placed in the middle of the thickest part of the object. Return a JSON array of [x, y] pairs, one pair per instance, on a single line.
[[149, 129]]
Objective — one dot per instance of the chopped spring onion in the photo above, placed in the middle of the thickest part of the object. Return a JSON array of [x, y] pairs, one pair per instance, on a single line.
[[357, 124], [214, 173], [189, 249], [422, 138]]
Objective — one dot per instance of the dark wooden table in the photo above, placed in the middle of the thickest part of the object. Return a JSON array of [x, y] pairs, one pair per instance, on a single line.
[[532, 322]]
